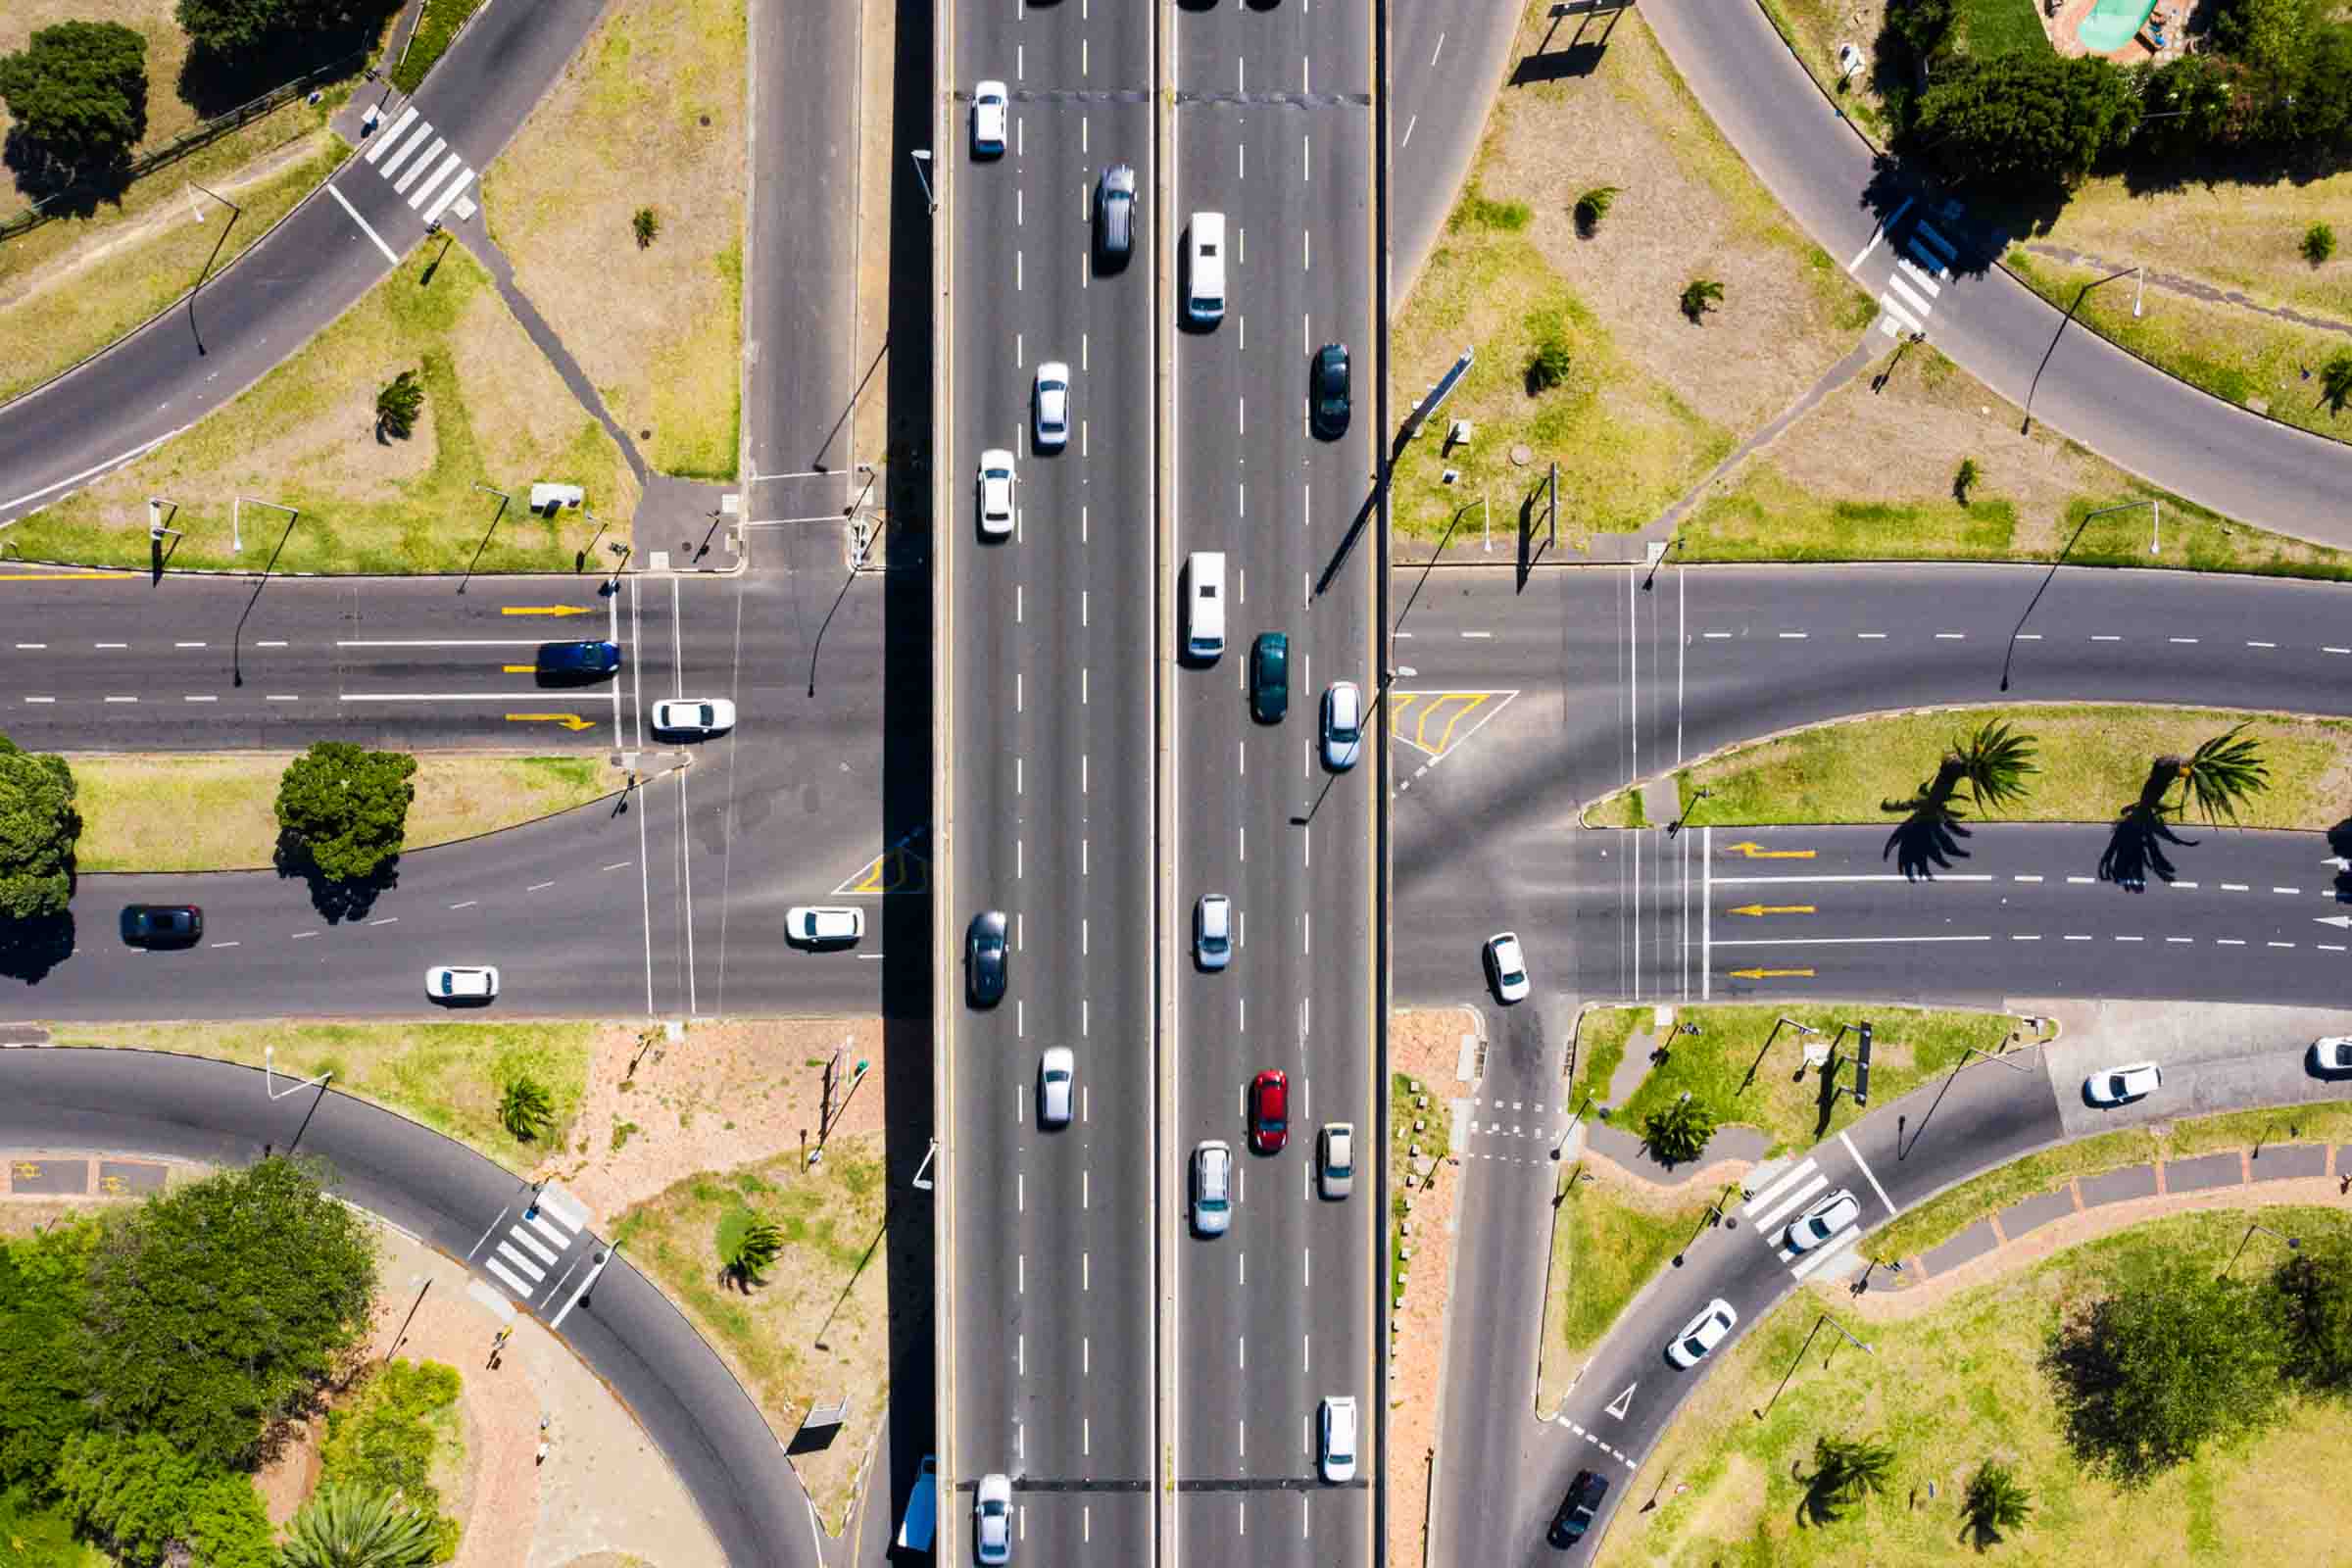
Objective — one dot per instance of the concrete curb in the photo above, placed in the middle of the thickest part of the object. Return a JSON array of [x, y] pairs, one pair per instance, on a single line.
[[945, 1184]]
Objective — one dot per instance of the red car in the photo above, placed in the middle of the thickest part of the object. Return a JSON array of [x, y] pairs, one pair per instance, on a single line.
[[1269, 1110]]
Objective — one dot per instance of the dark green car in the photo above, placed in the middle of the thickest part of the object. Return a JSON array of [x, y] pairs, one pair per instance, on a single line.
[[1269, 677]]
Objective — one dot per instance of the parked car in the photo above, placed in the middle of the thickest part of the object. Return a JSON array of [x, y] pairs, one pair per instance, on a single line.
[[578, 660], [1057, 1076], [1212, 1187], [991, 1519], [1335, 1159], [2332, 1054], [1342, 726], [984, 958], [1212, 931], [996, 493], [990, 110], [1337, 1422], [690, 716], [1270, 1111], [461, 982], [1703, 1334], [1574, 1516], [1328, 395], [1115, 216], [824, 925], [1822, 1221], [163, 925], [1506, 967], [1049, 403], [2118, 1085]]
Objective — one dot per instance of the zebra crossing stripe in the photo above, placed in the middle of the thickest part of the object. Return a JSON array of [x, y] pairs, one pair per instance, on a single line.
[[1896, 313], [547, 1254], [449, 167], [524, 1263], [1900, 290], [512, 1283], [1905, 266], [1927, 231], [402, 184], [408, 150], [432, 214], [384, 141]]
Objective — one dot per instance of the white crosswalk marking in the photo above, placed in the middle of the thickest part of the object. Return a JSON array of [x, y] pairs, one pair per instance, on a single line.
[[409, 153], [398, 128], [534, 1244], [1922, 266], [418, 168]]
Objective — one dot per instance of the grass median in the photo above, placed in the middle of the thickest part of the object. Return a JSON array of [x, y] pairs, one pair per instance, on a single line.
[[496, 419], [448, 1076], [2094, 759], [216, 813], [1948, 1389], [1607, 1242]]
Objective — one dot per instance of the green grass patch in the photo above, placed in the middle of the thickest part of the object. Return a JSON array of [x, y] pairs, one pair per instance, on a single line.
[[1989, 27], [495, 412], [160, 813], [1478, 210], [1911, 1046], [400, 1433], [1621, 809], [34, 1537], [436, 30], [1948, 1389], [2094, 759], [445, 1075], [1601, 1037], [1604, 1250]]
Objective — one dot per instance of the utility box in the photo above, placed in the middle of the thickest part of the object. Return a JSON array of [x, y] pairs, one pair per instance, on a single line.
[[549, 498]]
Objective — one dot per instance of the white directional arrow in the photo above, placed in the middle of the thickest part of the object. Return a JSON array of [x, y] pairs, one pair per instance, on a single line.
[[1624, 1402], [2341, 922]]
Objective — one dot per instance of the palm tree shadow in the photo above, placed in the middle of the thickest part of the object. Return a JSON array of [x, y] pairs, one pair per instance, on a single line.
[[1928, 839], [2136, 849]]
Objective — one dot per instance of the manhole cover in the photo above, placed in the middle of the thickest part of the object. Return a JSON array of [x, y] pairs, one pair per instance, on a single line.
[[1521, 456]]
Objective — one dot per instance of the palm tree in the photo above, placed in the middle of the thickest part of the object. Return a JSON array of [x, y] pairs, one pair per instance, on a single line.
[[1680, 1131], [1993, 760], [2335, 380], [524, 1109], [358, 1527], [751, 1250], [1594, 205], [1699, 296], [1994, 1502], [1843, 1471], [396, 405], [2223, 774]]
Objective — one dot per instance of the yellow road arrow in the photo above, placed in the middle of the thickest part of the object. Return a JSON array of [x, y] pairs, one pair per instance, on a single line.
[[567, 721], [1774, 908], [1757, 852], [544, 609], [1771, 974]]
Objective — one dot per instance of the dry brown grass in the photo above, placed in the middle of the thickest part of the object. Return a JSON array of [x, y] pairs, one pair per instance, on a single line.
[[649, 114]]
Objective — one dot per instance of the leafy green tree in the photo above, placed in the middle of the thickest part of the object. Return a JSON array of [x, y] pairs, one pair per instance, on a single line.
[[1922, 25], [348, 807], [645, 224], [2319, 243], [2027, 118], [398, 405], [151, 1500], [2190, 102], [2312, 1296], [1699, 296], [218, 1309], [385, 1436], [748, 1245], [1681, 1131], [2171, 1359], [1844, 1471], [2335, 380], [1548, 365], [228, 1527], [1994, 1502], [78, 92], [38, 829], [1594, 205], [346, 1526], [232, 28], [2223, 774], [524, 1109], [41, 1295], [1965, 480], [2266, 36]]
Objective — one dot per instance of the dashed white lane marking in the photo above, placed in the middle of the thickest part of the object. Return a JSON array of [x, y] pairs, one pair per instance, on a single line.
[[282, 696], [1951, 636], [2228, 941], [109, 645], [468, 905], [2234, 887], [303, 936], [2251, 644], [200, 698], [618, 865], [2108, 637], [2026, 879], [188, 645], [389, 919], [1793, 636], [2290, 891], [32, 645], [41, 699], [279, 643], [121, 699], [536, 886]]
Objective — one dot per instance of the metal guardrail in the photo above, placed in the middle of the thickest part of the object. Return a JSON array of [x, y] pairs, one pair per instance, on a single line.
[[188, 141]]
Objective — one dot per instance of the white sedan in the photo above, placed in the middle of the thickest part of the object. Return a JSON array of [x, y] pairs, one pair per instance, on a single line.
[[989, 100], [2332, 1054], [694, 715], [996, 493], [1822, 1221], [1506, 967], [461, 982], [2116, 1085], [824, 927], [1056, 1072], [1052, 404], [1703, 1334]]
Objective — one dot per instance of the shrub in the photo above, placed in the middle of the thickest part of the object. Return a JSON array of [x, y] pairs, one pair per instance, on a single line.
[[1699, 296], [1550, 365], [1478, 210], [645, 224], [385, 1438], [1681, 1131], [1965, 480], [524, 1109], [1594, 205], [2335, 380], [2319, 243], [398, 405]]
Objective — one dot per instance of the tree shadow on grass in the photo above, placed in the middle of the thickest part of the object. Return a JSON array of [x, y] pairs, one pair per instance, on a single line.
[[335, 900], [2136, 849]]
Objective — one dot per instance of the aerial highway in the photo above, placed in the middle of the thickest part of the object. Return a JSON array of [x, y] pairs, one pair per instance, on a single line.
[[1051, 644]]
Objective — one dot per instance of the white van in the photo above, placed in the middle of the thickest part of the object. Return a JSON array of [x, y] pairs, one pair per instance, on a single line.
[[1203, 606], [1205, 269]]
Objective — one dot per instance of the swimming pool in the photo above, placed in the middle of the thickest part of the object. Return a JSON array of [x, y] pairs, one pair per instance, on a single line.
[[2111, 23]]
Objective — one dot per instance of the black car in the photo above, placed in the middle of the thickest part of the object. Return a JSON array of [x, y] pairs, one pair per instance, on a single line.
[[1575, 1518], [578, 660], [1269, 677], [1114, 217], [1327, 396], [984, 958], [163, 925]]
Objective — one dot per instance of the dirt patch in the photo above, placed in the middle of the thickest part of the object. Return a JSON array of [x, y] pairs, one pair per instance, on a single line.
[[1423, 1044], [650, 114]]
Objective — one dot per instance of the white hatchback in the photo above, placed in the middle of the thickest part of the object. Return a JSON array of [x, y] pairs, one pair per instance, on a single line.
[[1212, 1187], [989, 107], [1342, 726], [1506, 967], [1056, 1074], [2332, 1054], [2116, 1085], [825, 926], [995, 492], [705, 715], [461, 982], [1050, 405], [1703, 1334], [1338, 1421], [1822, 1221], [1212, 931]]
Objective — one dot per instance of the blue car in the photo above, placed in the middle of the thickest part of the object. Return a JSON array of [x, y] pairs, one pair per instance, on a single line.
[[583, 661]]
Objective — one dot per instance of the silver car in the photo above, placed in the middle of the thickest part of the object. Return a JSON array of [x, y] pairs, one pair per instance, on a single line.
[[1335, 1159], [1052, 399], [1212, 931], [1115, 216], [991, 1519], [1056, 1074], [1342, 726], [1212, 1187]]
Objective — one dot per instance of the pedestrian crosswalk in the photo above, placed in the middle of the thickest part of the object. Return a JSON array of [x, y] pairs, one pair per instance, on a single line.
[[1771, 1210], [417, 161], [532, 1246], [1923, 266]]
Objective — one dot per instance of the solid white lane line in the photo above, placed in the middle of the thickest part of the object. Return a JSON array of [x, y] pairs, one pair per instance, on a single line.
[[1892, 1207], [1835, 942], [1878, 233]]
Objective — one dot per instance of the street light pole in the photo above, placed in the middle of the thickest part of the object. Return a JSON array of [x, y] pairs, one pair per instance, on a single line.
[[921, 157], [2155, 536], [1676, 827], [2294, 1244]]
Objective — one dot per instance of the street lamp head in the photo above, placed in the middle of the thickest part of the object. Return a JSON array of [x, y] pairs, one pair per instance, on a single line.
[[922, 155]]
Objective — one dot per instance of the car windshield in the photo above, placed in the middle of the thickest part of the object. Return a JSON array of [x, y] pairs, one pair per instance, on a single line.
[[997, 474]]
